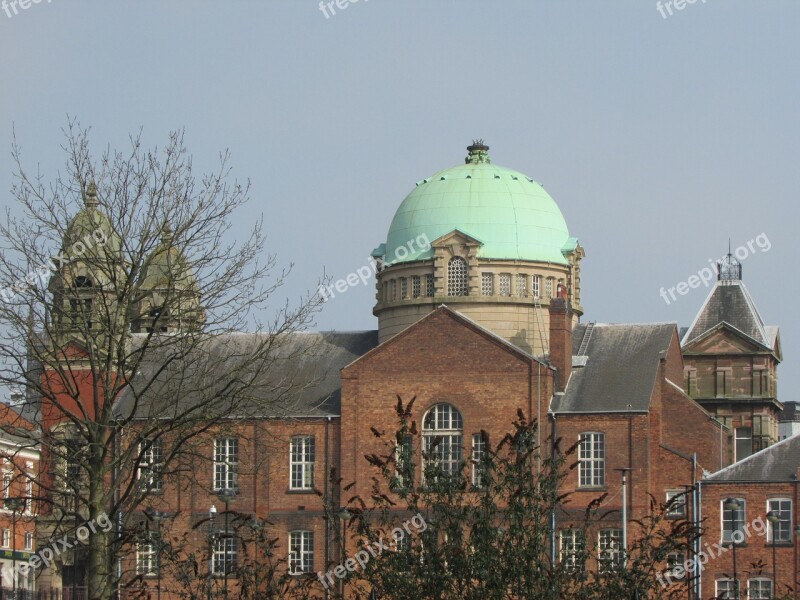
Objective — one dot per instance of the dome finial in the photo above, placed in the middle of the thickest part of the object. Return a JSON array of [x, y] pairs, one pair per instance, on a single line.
[[90, 197], [729, 269], [478, 152], [166, 233]]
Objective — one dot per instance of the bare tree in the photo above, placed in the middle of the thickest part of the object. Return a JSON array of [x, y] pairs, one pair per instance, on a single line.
[[125, 284]]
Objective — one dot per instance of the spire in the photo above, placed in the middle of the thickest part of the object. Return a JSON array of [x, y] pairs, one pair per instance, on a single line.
[[90, 198], [478, 153], [729, 269]]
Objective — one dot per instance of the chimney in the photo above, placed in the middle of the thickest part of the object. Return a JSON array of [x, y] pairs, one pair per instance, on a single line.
[[561, 337]]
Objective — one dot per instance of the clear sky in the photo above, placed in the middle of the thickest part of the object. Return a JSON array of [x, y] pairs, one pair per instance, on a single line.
[[659, 136]]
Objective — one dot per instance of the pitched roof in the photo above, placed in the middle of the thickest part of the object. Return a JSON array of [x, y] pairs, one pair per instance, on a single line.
[[778, 462], [620, 371], [730, 302], [300, 379]]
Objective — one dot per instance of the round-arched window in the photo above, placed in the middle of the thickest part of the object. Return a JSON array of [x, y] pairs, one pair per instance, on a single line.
[[442, 433], [457, 277]]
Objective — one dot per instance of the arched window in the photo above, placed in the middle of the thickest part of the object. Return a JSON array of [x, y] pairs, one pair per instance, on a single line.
[[442, 432], [457, 277]]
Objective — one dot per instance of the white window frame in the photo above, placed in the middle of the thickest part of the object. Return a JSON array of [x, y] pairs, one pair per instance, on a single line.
[[226, 463], [28, 540], [6, 542], [760, 581], [146, 556], [730, 588], [521, 285], [592, 459], [785, 527], [740, 521], [151, 464], [609, 550], [301, 552], [302, 456], [480, 447], [536, 286], [226, 553], [442, 439], [572, 543], [676, 503], [675, 560]]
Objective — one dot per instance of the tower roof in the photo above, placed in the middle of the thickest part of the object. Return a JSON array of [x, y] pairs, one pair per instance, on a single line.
[[511, 214], [92, 228], [729, 303]]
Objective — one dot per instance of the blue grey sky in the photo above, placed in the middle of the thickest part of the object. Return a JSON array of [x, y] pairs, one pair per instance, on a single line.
[[659, 138]]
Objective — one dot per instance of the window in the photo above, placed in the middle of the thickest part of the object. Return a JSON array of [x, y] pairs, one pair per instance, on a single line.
[[548, 287], [691, 382], [744, 443], [28, 540], [479, 456], [759, 589], [226, 463], [404, 465], [146, 558], [676, 503], [386, 297], [592, 460], [301, 552], [415, 286], [6, 538], [457, 284], [675, 560], [536, 285], [780, 532], [7, 477], [487, 284], [726, 589], [522, 285], [722, 382], [403, 287], [226, 552], [610, 551], [733, 522], [429, 287], [28, 491], [573, 548], [81, 312], [441, 441], [152, 464], [393, 292], [301, 463], [505, 284]]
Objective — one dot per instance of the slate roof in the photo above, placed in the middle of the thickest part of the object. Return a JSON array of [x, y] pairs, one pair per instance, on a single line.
[[730, 302], [790, 412], [620, 371], [300, 380], [778, 462]]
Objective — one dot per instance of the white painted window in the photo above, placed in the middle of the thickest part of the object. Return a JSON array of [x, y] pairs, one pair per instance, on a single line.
[[592, 460], [301, 462], [301, 552]]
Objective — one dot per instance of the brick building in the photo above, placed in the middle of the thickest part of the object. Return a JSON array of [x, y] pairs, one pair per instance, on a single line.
[[481, 322]]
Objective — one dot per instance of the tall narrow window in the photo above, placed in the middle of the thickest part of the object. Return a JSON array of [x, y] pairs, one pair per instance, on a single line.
[[592, 460], [744, 442], [610, 550], [226, 553], [404, 288], [430, 289], [457, 284], [505, 284], [7, 476], [522, 285], [691, 382], [146, 558], [442, 430], [28, 540], [536, 286], [676, 503], [393, 292], [548, 287], [780, 532], [302, 455], [301, 552], [573, 548], [487, 284], [226, 463], [479, 459], [733, 525], [152, 465], [415, 286]]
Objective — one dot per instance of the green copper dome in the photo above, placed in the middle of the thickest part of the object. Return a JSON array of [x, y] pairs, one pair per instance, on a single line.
[[507, 211], [90, 229], [166, 267]]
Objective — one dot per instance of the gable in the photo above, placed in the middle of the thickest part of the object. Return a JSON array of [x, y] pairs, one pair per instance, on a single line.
[[723, 339], [442, 341], [456, 237]]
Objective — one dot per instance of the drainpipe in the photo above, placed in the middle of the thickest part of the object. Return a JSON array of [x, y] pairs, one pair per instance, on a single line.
[[327, 499], [696, 568], [553, 511]]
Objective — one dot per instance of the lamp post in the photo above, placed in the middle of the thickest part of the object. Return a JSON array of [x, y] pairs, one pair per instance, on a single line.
[[212, 512], [227, 496], [733, 505], [344, 516], [13, 504], [774, 518]]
